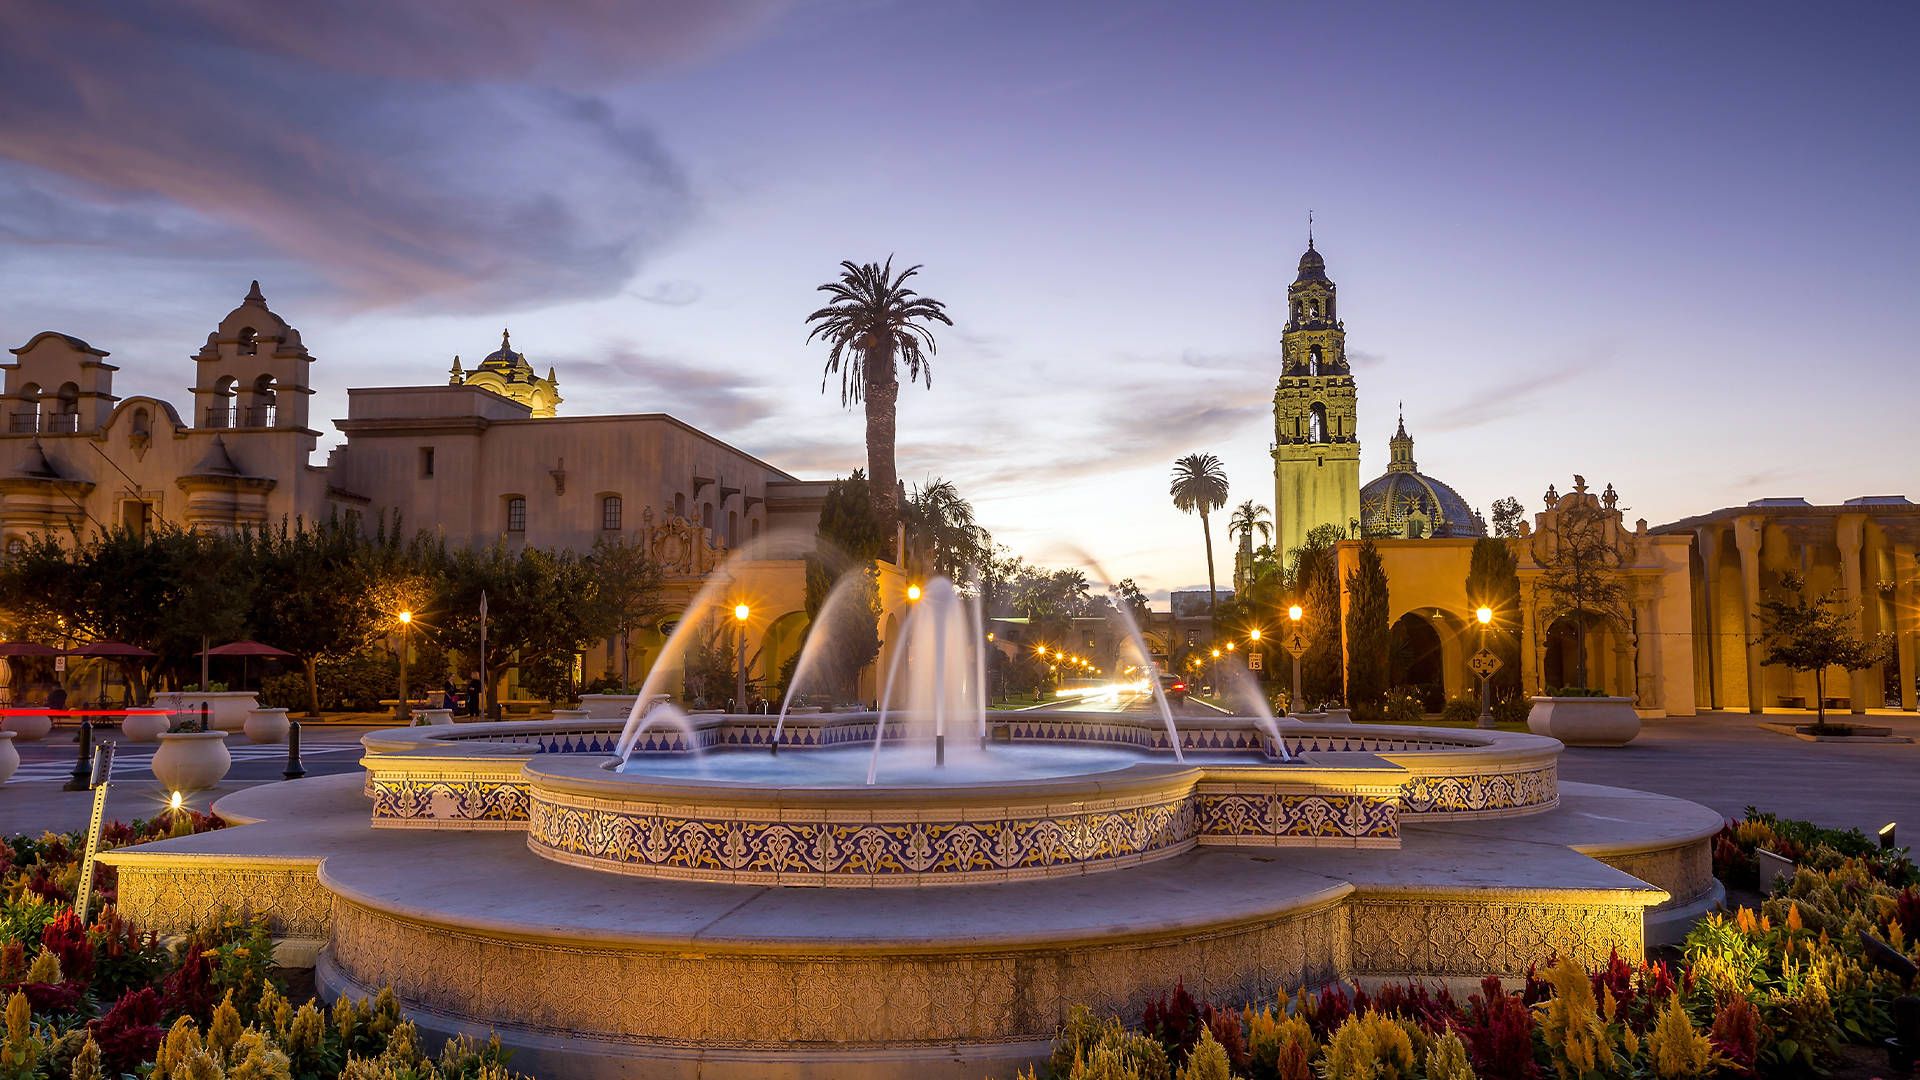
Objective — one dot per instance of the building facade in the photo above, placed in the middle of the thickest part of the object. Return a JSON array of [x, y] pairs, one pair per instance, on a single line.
[[481, 460]]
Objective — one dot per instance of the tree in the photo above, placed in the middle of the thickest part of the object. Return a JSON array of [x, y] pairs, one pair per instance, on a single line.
[[1507, 515], [1315, 585], [1248, 518], [626, 588], [1369, 636], [1200, 485], [317, 603], [1127, 597], [1493, 581], [940, 523], [1579, 572], [874, 321], [851, 537], [1814, 634]]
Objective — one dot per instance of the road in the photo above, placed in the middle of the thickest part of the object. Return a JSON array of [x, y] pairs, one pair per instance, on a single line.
[[33, 801]]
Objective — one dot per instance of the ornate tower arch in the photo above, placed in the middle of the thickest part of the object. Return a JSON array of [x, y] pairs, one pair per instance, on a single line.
[[1316, 446]]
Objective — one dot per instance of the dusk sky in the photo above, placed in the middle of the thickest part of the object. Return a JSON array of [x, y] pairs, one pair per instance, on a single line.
[[1673, 247]]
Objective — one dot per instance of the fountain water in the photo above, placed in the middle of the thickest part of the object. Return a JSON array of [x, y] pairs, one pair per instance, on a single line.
[[817, 640], [668, 715], [706, 601], [936, 640], [1140, 645], [1247, 699]]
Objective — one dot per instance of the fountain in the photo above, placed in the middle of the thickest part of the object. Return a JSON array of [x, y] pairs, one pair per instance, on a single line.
[[880, 900]]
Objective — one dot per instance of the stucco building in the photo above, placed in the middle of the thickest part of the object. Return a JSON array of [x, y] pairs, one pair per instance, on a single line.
[[482, 459]]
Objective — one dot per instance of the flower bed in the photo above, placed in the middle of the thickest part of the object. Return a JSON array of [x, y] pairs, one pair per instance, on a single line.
[[1777, 992], [103, 999]]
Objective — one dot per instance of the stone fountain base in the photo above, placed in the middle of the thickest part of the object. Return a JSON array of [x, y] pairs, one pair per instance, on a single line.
[[590, 974]]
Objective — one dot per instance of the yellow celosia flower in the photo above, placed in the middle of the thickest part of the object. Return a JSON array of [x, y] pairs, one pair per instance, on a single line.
[[1678, 1051]]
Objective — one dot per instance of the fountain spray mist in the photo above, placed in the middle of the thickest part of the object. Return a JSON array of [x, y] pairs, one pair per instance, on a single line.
[[1140, 644], [817, 633]]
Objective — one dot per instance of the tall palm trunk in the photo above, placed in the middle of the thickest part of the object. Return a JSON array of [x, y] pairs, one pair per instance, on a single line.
[[882, 395], [1206, 533]]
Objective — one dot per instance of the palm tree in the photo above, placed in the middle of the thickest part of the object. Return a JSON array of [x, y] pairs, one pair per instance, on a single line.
[[875, 319], [940, 521], [1249, 518], [1200, 483]]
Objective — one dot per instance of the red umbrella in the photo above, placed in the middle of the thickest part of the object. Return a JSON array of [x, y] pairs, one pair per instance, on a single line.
[[244, 648], [111, 648], [26, 648], [118, 650]]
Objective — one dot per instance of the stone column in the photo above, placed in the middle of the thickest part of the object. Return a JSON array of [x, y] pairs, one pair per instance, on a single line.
[[1905, 615], [1747, 533], [1849, 533], [1529, 651], [1709, 542], [1647, 653]]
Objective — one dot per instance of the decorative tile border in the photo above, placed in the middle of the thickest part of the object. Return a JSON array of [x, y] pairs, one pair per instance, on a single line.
[[1430, 795], [439, 802], [1279, 818], [744, 846]]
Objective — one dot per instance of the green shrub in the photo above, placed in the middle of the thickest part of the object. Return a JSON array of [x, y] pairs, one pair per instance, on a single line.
[[1461, 710], [1575, 691], [1512, 710]]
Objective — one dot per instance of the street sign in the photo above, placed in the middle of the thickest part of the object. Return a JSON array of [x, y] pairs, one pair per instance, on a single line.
[[1255, 662], [1296, 642], [1484, 663]]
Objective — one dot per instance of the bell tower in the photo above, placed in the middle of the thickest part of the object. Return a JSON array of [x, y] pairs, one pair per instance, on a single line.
[[1316, 447]]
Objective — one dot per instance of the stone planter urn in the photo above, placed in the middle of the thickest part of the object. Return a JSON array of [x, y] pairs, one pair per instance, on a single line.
[[191, 760], [226, 709], [1585, 721], [28, 727], [145, 725], [1339, 716], [9, 757], [571, 714], [433, 716], [266, 726]]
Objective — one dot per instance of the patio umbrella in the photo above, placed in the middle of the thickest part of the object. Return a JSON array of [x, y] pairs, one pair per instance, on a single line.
[[117, 650], [244, 650]]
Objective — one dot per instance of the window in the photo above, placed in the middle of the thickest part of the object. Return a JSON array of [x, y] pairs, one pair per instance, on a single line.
[[753, 527], [1313, 360], [426, 461], [265, 409], [1317, 423], [142, 423], [733, 529], [137, 516], [610, 508], [680, 504], [706, 516], [248, 344], [516, 513], [15, 546]]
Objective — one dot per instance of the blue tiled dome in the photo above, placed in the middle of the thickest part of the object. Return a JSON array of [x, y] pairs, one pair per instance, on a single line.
[[1403, 493]]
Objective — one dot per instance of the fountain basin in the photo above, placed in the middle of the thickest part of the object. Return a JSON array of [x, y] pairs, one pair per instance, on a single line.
[[1129, 810]]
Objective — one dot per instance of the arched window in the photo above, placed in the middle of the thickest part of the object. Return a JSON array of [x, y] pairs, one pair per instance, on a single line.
[[1313, 309], [517, 513], [265, 403], [611, 508], [249, 342], [733, 528], [66, 415], [1313, 360], [679, 504], [706, 515], [1317, 423], [15, 546], [223, 412], [27, 417]]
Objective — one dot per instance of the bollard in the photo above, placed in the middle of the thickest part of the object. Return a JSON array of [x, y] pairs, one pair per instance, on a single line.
[[203, 717], [294, 771], [83, 766]]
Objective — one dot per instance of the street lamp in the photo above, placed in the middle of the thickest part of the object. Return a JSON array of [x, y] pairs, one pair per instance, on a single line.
[[913, 592], [405, 711], [1485, 617], [740, 613], [1295, 646]]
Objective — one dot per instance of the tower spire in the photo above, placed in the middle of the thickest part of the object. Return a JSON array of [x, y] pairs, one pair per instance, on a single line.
[[1309, 230]]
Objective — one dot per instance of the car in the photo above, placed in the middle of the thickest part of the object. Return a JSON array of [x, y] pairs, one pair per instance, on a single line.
[[1174, 687]]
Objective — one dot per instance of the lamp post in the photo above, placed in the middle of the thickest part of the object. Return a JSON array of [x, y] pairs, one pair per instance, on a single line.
[[1296, 645], [740, 613], [1485, 666], [405, 711]]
